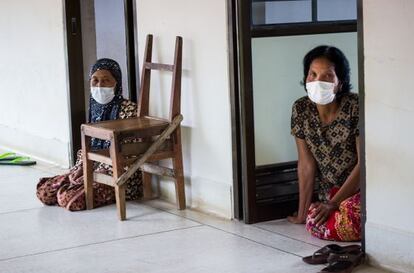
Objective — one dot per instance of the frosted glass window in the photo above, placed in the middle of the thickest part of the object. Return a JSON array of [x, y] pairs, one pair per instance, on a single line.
[[279, 12], [335, 10]]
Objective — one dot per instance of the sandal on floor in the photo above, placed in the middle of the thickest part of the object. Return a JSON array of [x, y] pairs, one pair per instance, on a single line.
[[321, 255], [8, 156], [343, 263], [19, 161]]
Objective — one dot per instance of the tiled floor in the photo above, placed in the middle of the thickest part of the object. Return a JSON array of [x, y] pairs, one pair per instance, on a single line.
[[155, 238]]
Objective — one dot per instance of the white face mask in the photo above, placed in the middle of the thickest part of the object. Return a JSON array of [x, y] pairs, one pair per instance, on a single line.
[[321, 92], [102, 95]]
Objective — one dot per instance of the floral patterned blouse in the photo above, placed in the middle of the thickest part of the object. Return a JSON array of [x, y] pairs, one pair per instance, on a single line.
[[334, 145]]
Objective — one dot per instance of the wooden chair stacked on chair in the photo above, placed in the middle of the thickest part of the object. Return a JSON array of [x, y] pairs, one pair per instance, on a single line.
[[159, 139]]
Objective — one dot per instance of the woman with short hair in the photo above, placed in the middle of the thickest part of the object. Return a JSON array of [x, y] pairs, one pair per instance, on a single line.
[[325, 126]]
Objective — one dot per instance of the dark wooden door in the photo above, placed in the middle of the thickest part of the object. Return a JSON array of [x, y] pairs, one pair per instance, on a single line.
[[75, 69]]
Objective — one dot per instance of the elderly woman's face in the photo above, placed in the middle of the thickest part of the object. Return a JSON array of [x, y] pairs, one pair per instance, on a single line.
[[103, 78], [321, 69]]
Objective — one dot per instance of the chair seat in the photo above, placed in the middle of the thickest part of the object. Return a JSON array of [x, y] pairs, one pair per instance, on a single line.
[[139, 127]]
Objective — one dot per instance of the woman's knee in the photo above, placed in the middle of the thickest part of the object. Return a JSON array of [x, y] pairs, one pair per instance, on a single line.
[[45, 192]]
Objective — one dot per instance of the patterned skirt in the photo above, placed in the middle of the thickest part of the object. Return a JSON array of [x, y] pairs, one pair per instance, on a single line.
[[343, 224], [68, 190]]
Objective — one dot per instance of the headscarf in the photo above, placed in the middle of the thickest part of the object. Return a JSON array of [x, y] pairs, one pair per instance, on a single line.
[[110, 111]]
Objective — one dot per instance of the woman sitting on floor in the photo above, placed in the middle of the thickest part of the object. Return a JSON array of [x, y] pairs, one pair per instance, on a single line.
[[325, 126], [105, 103]]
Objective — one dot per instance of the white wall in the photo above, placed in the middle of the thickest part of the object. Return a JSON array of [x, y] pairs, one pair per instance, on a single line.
[[111, 36], [277, 73], [389, 110], [205, 93], [34, 115]]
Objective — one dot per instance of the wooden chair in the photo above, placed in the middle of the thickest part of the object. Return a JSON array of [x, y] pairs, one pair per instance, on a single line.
[[159, 139]]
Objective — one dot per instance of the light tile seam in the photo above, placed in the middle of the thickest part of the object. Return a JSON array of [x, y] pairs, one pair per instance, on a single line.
[[96, 243], [232, 233]]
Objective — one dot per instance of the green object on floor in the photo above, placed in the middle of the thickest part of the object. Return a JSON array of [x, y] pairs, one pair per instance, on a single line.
[[8, 156], [12, 159]]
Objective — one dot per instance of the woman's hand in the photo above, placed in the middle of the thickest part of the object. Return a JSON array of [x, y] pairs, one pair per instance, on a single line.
[[295, 219], [322, 211]]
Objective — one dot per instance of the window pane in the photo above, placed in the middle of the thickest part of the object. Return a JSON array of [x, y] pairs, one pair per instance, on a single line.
[[259, 13], [278, 12], [333, 10]]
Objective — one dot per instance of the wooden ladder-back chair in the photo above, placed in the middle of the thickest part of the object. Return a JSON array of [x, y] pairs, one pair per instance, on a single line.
[[158, 139]]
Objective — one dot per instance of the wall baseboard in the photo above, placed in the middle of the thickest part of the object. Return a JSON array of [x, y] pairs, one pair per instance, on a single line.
[[211, 197], [389, 248], [52, 151]]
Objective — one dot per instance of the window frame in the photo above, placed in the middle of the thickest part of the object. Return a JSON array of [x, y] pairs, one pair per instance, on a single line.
[[301, 28]]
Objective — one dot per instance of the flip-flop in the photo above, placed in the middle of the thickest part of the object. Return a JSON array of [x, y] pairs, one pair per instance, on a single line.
[[20, 161], [321, 255], [343, 263], [8, 156]]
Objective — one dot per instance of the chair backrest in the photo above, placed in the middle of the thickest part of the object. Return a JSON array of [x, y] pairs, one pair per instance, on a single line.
[[176, 69]]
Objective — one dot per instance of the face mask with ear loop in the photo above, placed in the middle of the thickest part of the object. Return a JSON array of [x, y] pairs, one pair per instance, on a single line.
[[321, 92], [103, 95]]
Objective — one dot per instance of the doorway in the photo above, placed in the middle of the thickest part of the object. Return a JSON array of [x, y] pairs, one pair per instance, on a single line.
[[97, 29], [269, 41]]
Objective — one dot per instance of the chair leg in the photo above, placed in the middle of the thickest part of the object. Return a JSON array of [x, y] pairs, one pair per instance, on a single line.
[[120, 201], [179, 172], [147, 185], [87, 171], [88, 181], [179, 182], [117, 170]]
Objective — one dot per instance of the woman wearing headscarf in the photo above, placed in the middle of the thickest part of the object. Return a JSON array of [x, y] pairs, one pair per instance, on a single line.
[[105, 103]]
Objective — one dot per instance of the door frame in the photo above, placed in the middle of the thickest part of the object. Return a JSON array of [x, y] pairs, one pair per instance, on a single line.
[[240, 34], [131, 32], [73, 30], [361, 86], [241, 99]]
